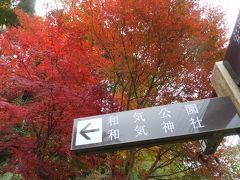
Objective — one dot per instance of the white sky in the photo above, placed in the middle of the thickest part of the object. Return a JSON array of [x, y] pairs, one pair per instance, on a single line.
[[44, 6], [230, 7]]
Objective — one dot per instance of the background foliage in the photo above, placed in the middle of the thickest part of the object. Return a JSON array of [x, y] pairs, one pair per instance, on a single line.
[[98, 57]]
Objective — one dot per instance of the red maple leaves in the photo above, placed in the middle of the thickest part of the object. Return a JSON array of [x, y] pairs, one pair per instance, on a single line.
[[48, 78]]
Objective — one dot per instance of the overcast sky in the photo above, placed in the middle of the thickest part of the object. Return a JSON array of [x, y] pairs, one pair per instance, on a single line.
[[230, 7], [43, 6]]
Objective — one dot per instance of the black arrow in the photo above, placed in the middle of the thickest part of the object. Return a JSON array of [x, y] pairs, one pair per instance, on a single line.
[[84, 131]]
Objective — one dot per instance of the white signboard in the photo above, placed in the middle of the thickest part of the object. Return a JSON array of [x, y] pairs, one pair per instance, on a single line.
[[89, 132]]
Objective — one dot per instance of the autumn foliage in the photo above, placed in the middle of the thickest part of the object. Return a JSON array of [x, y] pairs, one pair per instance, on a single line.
[[99, 57], [48, 78]]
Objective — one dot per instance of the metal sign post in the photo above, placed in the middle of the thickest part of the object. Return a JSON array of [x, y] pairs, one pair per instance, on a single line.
[[156, 125], [232, 57]]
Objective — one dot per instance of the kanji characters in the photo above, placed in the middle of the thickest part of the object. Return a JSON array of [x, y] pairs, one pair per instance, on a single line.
[[168, 126], [196, 123], [138, 117], [113, 120], [113, 134], [140, 129], [191, 109], [164, 113]]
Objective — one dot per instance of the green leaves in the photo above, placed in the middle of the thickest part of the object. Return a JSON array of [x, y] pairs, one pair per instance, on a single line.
[[8, 16], [28, 6]]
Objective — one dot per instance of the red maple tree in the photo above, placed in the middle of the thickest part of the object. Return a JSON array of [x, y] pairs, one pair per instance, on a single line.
[[144, 53], [159, 52], [48, 77]]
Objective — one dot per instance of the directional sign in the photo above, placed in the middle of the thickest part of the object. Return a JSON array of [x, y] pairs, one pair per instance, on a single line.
[[156, 125], [89, 132], [232, 57]]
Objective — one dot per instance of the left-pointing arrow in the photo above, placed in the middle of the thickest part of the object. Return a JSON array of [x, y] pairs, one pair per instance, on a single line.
[[84, 131]]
